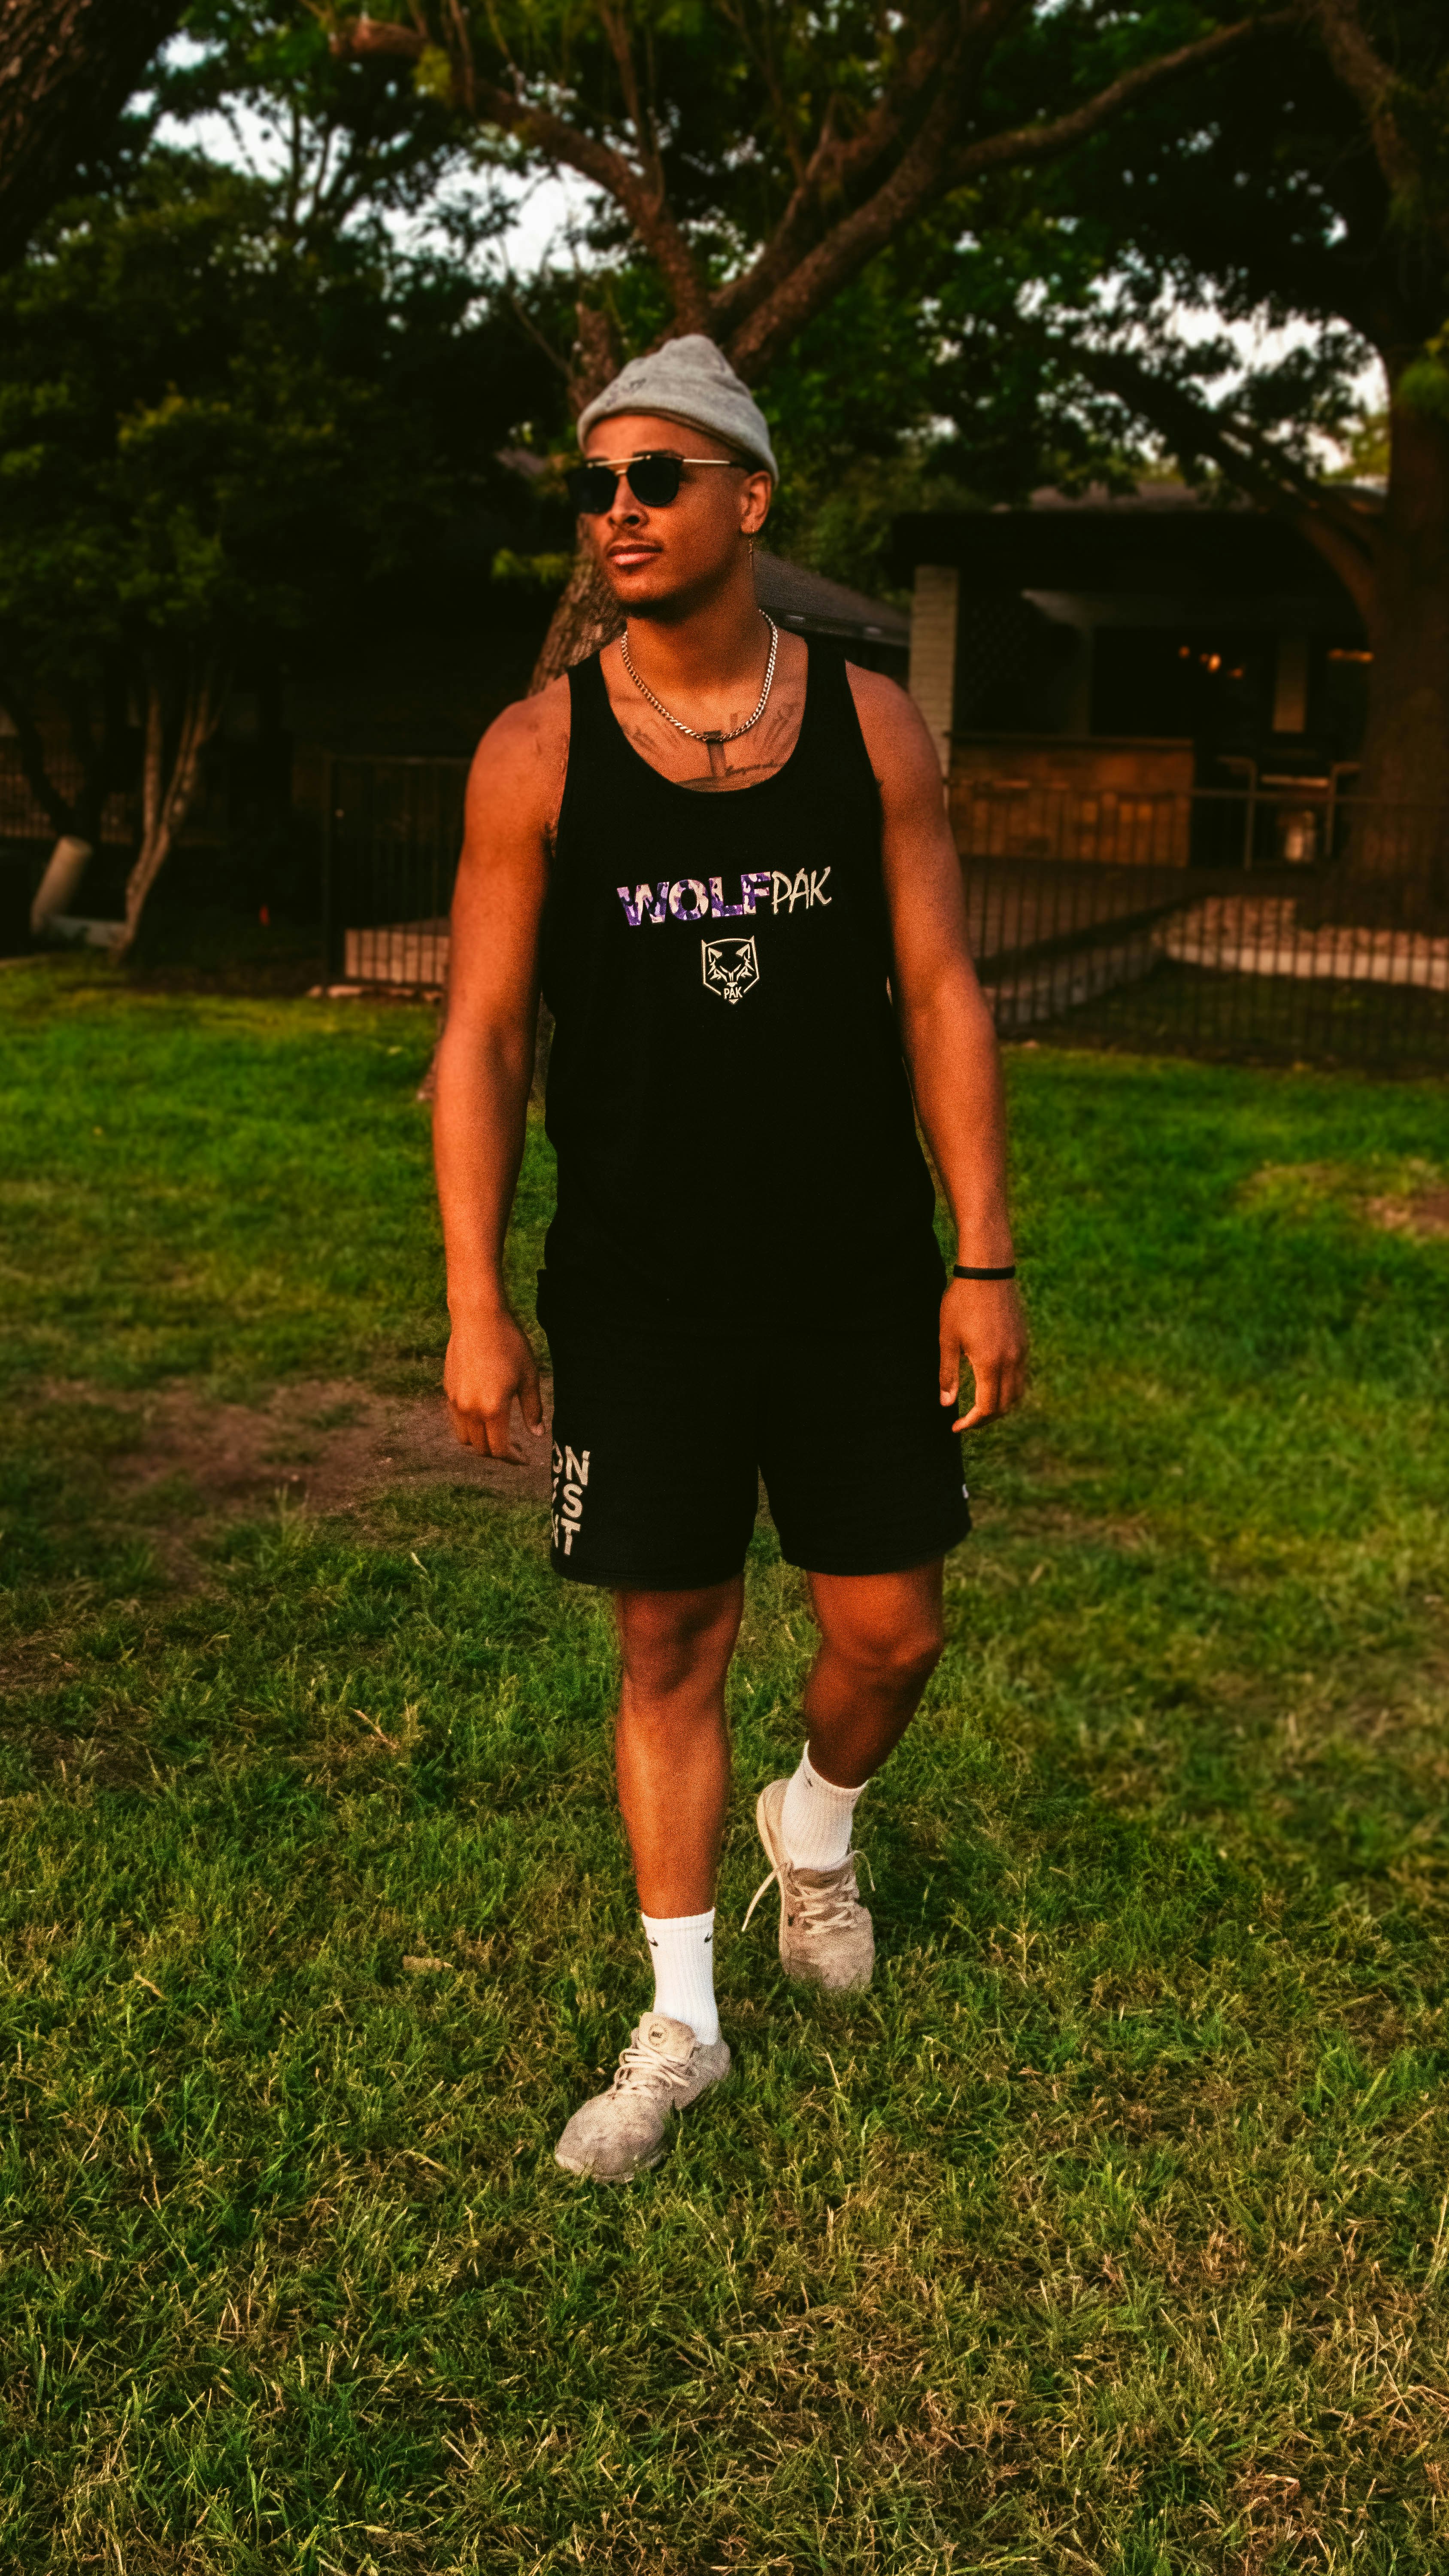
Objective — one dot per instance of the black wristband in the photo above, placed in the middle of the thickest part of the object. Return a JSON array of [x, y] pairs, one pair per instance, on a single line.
[[1008, 1273]]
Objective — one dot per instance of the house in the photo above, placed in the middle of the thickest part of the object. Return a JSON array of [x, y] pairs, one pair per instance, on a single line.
[[1128, 675]]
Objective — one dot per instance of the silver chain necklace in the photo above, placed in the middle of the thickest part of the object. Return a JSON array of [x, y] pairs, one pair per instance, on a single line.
[[660, 709]]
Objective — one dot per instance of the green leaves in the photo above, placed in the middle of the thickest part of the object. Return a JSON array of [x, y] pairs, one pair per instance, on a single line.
[[433, 74], [531, 572], [1424, 384], [208, 425]]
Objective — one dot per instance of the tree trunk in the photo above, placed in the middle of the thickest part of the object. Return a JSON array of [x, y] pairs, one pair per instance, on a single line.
[[1406, 746], [67, 68], [587, 616], [167, 799], [1404, 845]]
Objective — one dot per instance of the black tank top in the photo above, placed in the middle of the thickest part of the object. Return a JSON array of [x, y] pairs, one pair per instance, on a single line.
[[726, 1093]]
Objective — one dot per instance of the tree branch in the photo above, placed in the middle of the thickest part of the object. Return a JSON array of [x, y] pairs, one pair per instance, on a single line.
[[168, 801], [540, 339], [647, 208], [761, 52], [649, 212], [596, 355], [837, 168], [67, 68], [800, 269], [930, 170], [366, 37], [1026, 144], [811, 284], [1342, 529], [646, 139], [1367, 78]]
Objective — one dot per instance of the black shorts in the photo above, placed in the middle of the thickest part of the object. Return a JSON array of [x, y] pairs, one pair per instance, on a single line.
[[660, 1438]]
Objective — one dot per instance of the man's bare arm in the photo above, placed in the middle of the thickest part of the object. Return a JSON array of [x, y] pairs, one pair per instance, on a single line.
[[485, 1060], [950, 1047]]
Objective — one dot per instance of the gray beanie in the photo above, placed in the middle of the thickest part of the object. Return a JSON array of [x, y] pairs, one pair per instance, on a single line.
[[688, 380]]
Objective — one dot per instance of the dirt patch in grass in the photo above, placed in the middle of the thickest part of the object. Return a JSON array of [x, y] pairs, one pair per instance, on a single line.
[[1409, 1197], [326, 1445], [1421, 1212], [169, 1468]]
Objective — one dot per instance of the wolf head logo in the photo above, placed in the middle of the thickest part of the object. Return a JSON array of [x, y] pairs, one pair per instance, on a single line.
[[731, 968]]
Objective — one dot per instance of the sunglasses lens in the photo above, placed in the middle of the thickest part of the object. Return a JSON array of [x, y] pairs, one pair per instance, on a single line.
[[655, 480], [591, 488]]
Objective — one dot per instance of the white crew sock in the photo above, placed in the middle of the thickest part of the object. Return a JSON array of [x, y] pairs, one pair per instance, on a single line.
[[682, 1948], [816, 1818]]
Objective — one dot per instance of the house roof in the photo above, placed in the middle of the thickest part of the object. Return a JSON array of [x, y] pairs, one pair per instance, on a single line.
[[1143, 496], [815, 606], [1171, 495], [1163, 538]]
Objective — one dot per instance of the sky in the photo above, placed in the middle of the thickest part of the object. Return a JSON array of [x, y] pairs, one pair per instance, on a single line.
[[542, 210]]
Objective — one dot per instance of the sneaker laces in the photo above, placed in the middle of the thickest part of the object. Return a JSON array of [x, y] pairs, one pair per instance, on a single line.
[[642, 2069], [817, 1909]]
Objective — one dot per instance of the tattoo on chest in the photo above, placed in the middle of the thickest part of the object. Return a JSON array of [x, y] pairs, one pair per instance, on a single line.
[[719, 768]]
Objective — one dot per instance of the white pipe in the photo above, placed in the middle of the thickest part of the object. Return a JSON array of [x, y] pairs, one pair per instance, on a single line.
[[66, 866]]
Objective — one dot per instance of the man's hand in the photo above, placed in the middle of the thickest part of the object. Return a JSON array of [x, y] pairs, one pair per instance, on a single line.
[[489, 1362], [983, 1324]]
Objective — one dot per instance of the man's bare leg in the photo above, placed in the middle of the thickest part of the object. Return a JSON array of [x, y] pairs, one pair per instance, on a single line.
[[880, 1641], [672, 1744], [673, 1770], [881, 1637]]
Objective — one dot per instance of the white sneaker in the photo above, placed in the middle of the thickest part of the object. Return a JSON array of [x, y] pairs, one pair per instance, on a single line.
[[826, 1934], [621, 2132]]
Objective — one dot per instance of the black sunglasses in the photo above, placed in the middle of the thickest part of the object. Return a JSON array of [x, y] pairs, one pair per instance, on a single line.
[[654, 479]]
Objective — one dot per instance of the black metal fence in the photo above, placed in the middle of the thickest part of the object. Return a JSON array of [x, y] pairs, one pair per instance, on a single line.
[[393, 830], [25, 822], [1323, 935], [1278, 924], [1204, 961]]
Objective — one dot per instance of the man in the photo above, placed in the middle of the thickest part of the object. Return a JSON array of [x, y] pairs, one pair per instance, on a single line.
[[721, 855]]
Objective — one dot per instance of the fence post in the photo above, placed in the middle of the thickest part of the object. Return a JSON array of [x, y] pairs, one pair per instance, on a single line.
[[329, 806]]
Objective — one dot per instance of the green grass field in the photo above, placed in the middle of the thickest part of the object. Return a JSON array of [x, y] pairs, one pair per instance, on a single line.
[[1107, 2233]]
